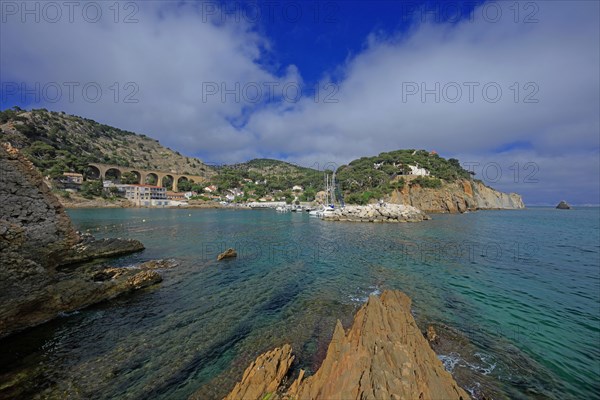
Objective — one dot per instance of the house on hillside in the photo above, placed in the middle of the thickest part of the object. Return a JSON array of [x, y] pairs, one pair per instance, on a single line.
[[416, 171], [72, 177]]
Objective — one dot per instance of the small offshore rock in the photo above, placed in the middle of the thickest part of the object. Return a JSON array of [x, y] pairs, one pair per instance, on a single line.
[[563, 205], [229, 253]]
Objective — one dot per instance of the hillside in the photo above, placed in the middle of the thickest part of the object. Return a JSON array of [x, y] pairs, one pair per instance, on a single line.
[[57, 142], [448, 188], [369, 178], [267, 175]]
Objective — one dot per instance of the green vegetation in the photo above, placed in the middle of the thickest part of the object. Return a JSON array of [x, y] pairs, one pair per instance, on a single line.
[[90, 189], [260, 177], [363, 198], [129, 178], [371, 178], [186, 186], [427, 182], [167, 182], [62, 193], [150, 180]]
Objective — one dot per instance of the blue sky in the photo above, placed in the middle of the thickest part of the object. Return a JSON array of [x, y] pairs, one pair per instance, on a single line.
[[509, 88]]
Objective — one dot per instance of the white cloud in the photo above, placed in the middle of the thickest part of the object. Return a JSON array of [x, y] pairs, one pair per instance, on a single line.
[[171, 52]]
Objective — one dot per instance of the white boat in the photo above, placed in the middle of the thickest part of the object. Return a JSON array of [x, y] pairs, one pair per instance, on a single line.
[[282, 209]]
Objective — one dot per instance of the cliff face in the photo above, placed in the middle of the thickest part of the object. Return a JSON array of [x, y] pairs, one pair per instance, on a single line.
[[36, 237], [459, 196], [33, 229], [31, 215], [382, 356]]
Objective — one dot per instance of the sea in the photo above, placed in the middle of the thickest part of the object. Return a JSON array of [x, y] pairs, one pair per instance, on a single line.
[[514, 296]]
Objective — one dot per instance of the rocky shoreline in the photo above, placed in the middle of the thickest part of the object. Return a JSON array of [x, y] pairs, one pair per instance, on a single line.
[[383, 355], [37, 241], [377, 213]]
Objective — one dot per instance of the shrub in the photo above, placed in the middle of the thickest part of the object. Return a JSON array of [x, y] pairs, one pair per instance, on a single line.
[[90, 189], [425, 182]]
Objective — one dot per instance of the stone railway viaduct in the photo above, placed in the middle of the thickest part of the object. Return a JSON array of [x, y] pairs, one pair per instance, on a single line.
[[143, 175]]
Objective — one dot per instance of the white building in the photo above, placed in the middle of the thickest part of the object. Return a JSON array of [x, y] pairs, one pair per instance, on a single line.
[[415, 170], [145, 195]]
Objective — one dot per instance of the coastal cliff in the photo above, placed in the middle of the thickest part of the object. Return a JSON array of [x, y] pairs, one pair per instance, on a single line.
[[456, 197], [36, 238], [382, 356]]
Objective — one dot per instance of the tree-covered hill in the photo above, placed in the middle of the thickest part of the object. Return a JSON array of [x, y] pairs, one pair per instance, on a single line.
[[56, 143], [374, 177], [261, 177]]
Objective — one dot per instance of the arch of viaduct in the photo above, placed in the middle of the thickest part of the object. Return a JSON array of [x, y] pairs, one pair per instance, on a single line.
[[144, 174]]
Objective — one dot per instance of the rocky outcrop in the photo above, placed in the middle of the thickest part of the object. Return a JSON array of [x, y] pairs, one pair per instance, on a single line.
[[382, 356], [264, 375], [377, 213], [563, 205], [456, 197], [229, 253], [36, 238], [101, 248]]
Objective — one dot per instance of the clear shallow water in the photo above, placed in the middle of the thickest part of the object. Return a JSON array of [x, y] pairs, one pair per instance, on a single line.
[[521, 287]]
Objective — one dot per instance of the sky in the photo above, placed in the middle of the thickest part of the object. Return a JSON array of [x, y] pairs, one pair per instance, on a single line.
[[512, 89]]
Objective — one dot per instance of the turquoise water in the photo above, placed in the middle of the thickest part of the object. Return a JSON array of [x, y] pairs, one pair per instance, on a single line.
[[522, 288]]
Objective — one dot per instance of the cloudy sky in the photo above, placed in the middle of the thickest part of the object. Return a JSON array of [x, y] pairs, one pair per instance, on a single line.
[[511, 89]]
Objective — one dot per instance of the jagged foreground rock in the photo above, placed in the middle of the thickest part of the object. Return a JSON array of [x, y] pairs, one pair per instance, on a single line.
[[382, 356], [36, 237], [377, 213]]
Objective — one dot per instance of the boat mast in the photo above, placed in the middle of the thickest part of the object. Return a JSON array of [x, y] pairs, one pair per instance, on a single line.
[[332, 188]]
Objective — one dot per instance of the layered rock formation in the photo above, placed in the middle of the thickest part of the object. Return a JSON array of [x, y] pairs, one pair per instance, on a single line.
[[377, 213], [459, 196], [264, 376], [382, 356], [36, 237]]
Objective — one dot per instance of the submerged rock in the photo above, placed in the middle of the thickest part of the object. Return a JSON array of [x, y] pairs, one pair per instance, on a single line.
[[563, 205], [382, 356], [158, 264], [36, 238], [229, 253]]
